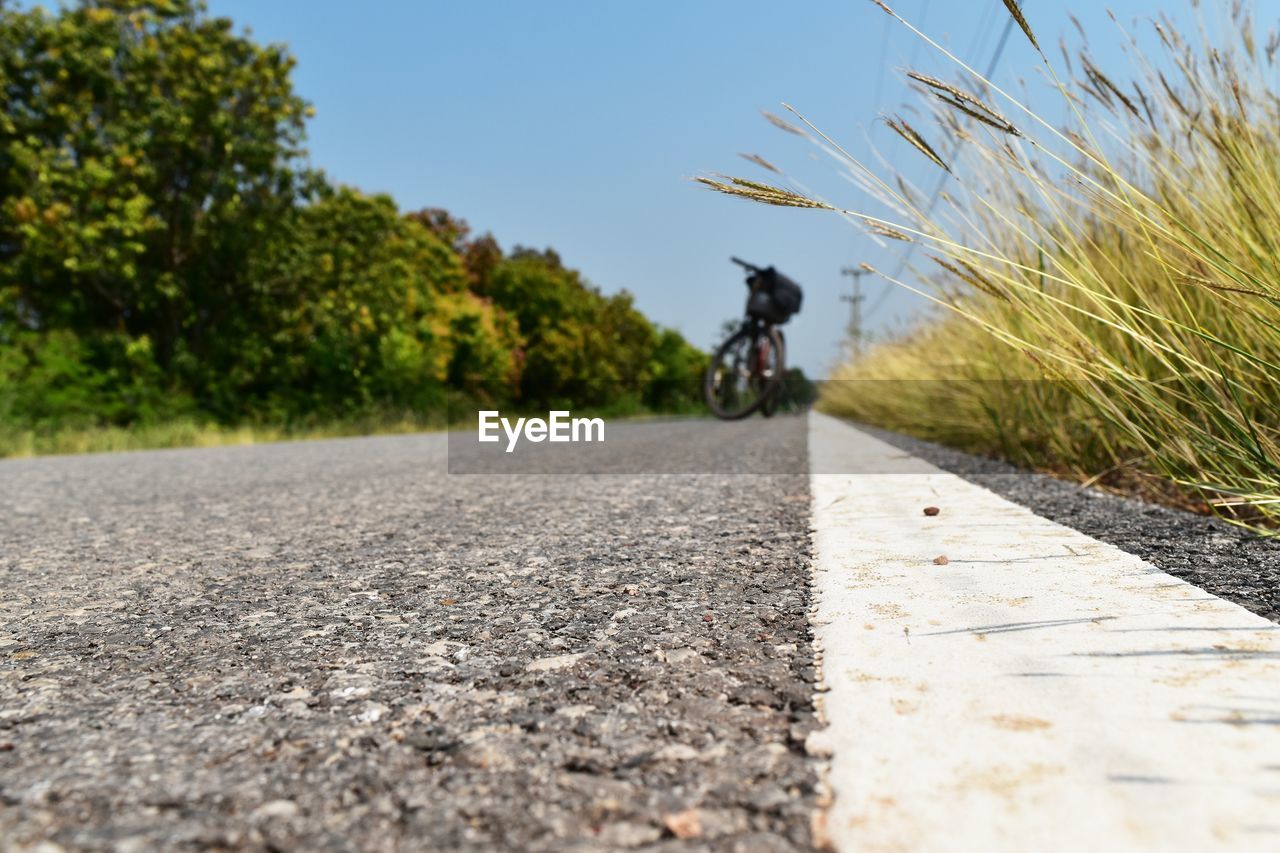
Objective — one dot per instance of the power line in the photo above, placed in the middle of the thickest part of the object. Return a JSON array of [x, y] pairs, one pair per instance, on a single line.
[[982, 38], [879, 90], [923, 17], [884, 56], [942, 179]]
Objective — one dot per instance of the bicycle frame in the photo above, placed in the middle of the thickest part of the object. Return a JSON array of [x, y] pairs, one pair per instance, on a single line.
[[758, 351]]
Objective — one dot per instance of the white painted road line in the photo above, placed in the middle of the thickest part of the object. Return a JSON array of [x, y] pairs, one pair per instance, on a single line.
[[1040, 691]]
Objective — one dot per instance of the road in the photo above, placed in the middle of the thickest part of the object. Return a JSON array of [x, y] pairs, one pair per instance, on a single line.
[[338, 645], [341, 645]]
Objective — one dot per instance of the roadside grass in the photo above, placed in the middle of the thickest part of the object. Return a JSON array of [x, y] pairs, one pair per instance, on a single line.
[[18, 442], [1108, 287]]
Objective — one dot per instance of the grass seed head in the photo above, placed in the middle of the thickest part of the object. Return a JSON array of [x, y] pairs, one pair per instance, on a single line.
[[965, 102], [886, 231], [761, 162], [1016, 11], [907, 132], [781, 124], [1104, 84], [763, 193], [971, 276]]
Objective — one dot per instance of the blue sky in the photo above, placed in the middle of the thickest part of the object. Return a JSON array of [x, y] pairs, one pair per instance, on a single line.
[[577, 123]]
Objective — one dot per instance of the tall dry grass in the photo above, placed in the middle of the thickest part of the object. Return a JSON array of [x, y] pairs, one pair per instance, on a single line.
[[1110, 282]]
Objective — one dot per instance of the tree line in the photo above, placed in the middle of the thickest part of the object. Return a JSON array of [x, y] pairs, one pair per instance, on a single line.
[[166, 251]]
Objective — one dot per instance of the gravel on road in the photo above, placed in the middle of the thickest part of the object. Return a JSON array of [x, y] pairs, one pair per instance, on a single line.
[[336, 645]]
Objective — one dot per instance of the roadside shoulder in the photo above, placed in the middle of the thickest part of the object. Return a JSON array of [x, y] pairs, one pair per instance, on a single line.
[[1218, 557]]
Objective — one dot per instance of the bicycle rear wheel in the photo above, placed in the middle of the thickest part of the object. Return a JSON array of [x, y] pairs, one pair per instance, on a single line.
[[745, 372]]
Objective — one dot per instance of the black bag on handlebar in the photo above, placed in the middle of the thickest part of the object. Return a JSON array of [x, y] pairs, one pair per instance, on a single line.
[[774, 297]]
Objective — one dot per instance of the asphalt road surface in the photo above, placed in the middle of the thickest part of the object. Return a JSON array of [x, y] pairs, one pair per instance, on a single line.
[[337, 645]]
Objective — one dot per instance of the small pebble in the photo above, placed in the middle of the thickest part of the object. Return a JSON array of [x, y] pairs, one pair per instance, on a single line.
[[276, 808], [931, 510], [941, 560], [683, 825]]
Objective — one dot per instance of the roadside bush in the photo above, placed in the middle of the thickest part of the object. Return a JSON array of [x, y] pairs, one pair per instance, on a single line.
[[1111, 283]]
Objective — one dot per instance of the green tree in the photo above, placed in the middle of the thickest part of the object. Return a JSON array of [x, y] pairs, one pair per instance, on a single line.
[[147, 150], [164, 251], [558, 319], [676, 370], [480, 255], [584, 348], [369, 309]]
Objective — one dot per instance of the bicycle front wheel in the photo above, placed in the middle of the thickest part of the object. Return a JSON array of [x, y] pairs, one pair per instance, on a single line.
[[745, 372]]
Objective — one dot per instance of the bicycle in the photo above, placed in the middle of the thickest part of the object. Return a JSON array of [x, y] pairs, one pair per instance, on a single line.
[[746, 373]]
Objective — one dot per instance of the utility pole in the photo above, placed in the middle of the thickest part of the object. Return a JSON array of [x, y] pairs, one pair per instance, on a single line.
[[855, 310]]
